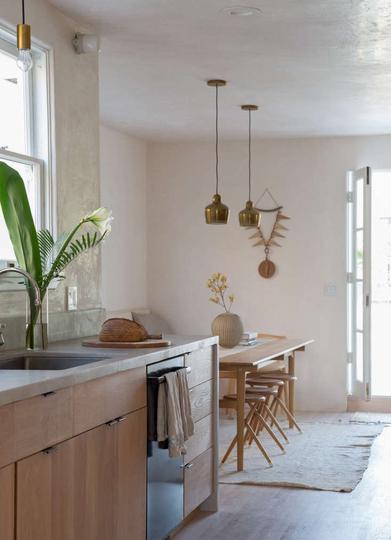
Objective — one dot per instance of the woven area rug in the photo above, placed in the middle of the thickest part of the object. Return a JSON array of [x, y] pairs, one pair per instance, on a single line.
[[332, 454]]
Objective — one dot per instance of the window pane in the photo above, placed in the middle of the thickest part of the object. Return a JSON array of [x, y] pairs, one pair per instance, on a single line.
[[360, 203], [359, 305], [13, 113], [359, 254], [27, 173], [360, 356]]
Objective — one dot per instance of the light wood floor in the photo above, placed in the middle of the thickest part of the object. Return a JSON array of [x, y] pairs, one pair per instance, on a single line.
[[262, 513]]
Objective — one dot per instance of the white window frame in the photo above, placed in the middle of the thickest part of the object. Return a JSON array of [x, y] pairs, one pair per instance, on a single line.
[[40, 150]]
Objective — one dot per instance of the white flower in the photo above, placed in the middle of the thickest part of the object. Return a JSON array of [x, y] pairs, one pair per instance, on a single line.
[[101, 218]]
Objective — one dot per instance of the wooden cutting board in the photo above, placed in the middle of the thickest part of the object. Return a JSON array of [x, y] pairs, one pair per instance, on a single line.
[[148, 344]]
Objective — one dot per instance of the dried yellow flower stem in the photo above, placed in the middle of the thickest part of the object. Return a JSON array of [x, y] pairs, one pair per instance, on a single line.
[[217, 284]]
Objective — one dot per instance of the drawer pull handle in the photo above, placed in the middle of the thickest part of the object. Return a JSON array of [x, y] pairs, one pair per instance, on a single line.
[[50, 450], [48, 394], [189, 466], [116, 421]]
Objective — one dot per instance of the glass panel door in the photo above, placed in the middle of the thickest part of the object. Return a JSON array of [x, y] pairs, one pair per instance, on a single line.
[[359, 282], [381, 283]]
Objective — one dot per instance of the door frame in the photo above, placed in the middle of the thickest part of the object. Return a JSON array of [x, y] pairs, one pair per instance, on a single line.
[[359, 383]]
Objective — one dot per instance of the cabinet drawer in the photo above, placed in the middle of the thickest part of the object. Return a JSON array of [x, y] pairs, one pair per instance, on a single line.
[[201, 363], [101, 400], [34, 424], [201, 400], [201, 440], [198, 481]]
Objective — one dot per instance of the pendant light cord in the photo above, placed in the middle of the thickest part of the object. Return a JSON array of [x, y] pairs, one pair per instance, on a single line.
[[217, 139], [23, 13], [249, 155]]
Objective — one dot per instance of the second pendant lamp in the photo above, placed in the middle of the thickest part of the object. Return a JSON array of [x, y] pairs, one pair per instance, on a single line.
[[249, 216], [217, 213]]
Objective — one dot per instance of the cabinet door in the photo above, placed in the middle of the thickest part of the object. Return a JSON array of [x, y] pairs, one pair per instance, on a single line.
[[90, 487], [130, 499], [198, 481], [7, 502]]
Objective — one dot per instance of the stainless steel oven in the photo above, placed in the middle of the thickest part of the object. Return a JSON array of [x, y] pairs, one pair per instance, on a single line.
[[164, 474]]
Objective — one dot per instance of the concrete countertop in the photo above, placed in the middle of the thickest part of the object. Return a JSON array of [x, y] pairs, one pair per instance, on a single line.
[[16, 385]]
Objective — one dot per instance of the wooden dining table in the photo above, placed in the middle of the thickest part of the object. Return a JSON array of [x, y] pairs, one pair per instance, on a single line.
[[270, 353]]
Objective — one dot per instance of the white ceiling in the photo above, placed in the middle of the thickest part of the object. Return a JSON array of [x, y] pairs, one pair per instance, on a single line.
[[315, 67]]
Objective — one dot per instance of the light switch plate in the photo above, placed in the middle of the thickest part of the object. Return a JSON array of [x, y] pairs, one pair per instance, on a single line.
[[72, 298], [330, 289]]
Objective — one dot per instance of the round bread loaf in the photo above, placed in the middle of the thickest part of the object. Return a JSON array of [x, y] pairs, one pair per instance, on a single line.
[[122, 330]]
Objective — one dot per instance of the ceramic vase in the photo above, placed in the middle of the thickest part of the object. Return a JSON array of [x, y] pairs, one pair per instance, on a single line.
[[229, 328]]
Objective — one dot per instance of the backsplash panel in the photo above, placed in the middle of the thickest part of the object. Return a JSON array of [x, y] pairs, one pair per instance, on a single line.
[[63, 325]]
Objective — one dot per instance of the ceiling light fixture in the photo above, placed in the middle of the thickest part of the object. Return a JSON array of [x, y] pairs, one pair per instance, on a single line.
[[217, 213], [242, 11], [25, 59], [249, 216]]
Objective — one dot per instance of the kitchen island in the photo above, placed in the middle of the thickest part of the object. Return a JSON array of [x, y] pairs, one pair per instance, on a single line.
[[73, 442]]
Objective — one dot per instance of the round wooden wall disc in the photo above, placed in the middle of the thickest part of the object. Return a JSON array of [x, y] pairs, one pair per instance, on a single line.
[[267, 269]]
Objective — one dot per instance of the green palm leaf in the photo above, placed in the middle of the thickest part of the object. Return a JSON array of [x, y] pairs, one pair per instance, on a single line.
[[73, 249], [19, 221], [46, 245]]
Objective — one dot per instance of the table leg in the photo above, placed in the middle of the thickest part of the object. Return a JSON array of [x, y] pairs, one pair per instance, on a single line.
[[291, 384], [241, 392]]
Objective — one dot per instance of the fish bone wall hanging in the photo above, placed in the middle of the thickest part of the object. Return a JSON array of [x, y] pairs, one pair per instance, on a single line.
[[269, 238]]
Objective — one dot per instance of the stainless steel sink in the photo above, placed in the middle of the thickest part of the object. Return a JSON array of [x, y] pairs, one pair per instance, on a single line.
[[47, 361]]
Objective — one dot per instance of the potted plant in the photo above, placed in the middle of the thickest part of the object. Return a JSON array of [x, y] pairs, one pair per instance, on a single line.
[[228, 326], [36, 251]]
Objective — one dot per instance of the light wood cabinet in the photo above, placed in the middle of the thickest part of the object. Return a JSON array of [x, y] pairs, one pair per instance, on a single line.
[[198, 481], [100, 400], [91, 486], [201, 364], [202, 438], [33, 424], [73, 461], [201, 398], [7, 502]]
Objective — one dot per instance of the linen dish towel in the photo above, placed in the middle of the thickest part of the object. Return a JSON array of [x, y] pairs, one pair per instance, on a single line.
[[185, 405], [174, 421]]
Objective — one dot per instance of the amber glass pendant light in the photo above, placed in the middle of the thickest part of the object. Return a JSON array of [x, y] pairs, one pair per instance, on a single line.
[[217, 213], [25, 58], [249, 216]]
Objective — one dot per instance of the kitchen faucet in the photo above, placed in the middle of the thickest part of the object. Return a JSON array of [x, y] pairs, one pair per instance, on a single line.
[[37, 295]]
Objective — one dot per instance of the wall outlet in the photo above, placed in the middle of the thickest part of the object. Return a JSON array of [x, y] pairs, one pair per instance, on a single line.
[[72, 298]]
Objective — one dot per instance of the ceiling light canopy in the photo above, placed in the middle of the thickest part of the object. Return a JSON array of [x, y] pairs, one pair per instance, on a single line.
[[242, 11]]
